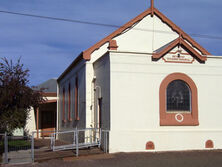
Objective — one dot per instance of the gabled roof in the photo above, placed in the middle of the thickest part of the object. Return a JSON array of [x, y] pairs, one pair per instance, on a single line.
[[179, 41], [47, 86], [86, 55], [74, 63]]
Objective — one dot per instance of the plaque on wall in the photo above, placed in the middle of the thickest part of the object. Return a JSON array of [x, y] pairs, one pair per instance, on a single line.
[[179, 56]]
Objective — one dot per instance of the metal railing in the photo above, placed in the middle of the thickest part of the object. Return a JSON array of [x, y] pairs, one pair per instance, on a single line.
[[15, 149], [78, 138], [74, 140], [4, 147], [81, 138], [34, 135]]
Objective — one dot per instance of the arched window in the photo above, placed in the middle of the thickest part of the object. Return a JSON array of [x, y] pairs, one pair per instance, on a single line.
[[178, 101], [178, 97]]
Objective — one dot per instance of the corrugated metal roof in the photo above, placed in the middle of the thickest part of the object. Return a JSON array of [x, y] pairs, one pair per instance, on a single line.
[[48, 86]]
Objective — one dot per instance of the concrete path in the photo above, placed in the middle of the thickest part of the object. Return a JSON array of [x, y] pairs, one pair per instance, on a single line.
[[21, 156], [159, 159]]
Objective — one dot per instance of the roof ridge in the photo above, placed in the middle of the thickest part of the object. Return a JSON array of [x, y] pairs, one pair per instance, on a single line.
[[87, 53], [180, 31], [173, 44]]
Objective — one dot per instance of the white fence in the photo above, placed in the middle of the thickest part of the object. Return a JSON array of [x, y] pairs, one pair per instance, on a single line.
[[78, 138], [81, 138], [18, 147], [15, 149]]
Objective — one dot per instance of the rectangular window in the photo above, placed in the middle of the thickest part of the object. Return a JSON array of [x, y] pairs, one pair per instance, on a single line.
[[69, 104], [76, 99], [63, 105]]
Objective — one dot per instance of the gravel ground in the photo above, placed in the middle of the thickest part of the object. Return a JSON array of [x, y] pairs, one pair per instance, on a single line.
[[159, 159]]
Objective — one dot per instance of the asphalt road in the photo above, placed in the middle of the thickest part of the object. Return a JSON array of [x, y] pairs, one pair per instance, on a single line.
[[160, 159]]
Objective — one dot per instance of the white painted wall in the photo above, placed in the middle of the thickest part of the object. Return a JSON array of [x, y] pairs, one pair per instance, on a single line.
[[146, 36], [79, 71], [31, 121], [135, 82], [102, 74]]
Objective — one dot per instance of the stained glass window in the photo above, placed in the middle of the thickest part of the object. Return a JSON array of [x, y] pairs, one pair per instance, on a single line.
[[178, 97]]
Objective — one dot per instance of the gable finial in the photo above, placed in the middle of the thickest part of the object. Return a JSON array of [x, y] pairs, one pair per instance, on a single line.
[[152, 8]]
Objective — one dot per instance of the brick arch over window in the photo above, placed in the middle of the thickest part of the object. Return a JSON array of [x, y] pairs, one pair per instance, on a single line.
[[178, 119]]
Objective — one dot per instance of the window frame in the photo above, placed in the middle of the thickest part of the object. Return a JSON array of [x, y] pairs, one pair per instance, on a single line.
[[177, 118], [63, 104], [69, 102], [76, 100], [190, 99]]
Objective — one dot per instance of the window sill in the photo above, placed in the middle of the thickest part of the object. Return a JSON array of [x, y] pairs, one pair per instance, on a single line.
[[179, 119]]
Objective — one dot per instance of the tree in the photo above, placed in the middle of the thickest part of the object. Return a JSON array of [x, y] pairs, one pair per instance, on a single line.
[[16, 97]]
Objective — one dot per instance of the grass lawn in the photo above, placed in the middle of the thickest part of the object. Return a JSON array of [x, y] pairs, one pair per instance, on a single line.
[[19, 143], [15, 145]]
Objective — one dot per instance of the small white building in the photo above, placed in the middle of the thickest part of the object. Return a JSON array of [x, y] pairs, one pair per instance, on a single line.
[[150, 84], [43, 119]]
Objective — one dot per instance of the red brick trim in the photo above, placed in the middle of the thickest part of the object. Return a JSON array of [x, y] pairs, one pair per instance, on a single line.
[[150, 145], [63, 105], [50, 101], [180, 31], [169, 119], [76, 99], [49, 94], [112, 45], [45, 132], [179, 52], [179, 41], [69, 103], [152, 7], [209, 144], [86, 55]]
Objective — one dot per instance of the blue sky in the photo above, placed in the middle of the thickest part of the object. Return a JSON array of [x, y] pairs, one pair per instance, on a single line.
[[47, 47]]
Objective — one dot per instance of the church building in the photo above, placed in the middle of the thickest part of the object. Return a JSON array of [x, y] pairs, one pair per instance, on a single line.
[[150, 84]]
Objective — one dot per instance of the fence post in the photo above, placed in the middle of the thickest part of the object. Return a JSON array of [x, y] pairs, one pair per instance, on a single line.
[[74, 137], [52, 138], [6, 148], [106, 141], [100, 137], [32, 149], [90, 134], [77, 143]]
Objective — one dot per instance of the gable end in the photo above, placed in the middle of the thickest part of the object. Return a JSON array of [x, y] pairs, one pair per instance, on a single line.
[[87, 53], [179, 42]]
